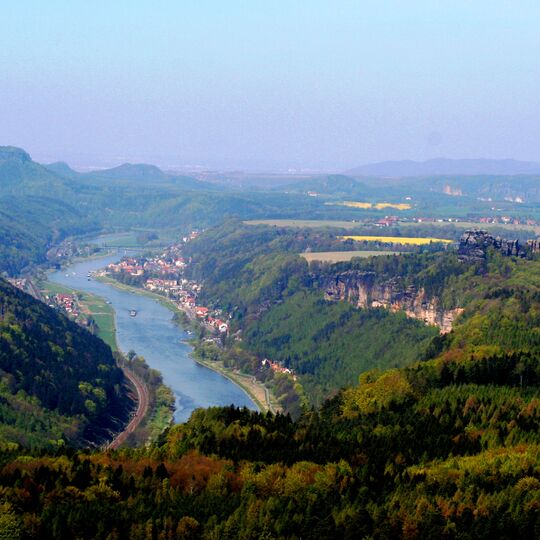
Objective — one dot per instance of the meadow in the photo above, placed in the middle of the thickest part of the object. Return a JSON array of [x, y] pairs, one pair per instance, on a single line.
[[92, 306], [343, 256], [314, 223]]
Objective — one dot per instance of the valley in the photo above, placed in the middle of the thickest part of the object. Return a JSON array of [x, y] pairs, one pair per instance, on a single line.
[[269, 270], [154, 336], [322, 359]]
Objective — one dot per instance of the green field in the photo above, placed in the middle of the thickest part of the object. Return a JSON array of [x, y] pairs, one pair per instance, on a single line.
[[50, 288], [128, 239], [472, 225], [304, 223], [343, 256], [103, 314]]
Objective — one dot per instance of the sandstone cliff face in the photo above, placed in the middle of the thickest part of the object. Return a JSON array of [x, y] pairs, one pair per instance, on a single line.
[[362, 290]]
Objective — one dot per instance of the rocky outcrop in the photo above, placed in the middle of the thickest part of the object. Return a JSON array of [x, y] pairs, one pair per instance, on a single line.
[[363, 290], [367, 290], [473, 246], [533, 245]]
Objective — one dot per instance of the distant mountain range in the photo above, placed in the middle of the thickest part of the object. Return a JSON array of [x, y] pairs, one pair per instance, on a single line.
[[140, 173], [442, 166], [522, 188], [17, 170]]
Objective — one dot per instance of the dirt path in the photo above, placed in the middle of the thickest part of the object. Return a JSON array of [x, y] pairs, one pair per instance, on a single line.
[[142, 408]]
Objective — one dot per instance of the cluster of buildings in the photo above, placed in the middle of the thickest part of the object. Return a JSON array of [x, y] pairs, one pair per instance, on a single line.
[[389, 221], [67, 250], [20, 283], [278, 368], [128, 266], [169, 263], [67, 302], [165, 274], [506, 220], [159, 266], [26, 285], [168, 266]]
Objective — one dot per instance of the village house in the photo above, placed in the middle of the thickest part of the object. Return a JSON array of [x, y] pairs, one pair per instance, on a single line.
[[218, 324], [275, 367], [201, 312]]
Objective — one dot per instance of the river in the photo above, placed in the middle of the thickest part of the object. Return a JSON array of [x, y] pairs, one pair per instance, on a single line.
[[154, 335]]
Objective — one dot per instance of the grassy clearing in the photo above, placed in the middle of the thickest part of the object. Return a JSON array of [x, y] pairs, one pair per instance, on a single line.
[[343, 256], [49, 288], [106, 328], [161, 415], [123, 240], [397, 240]]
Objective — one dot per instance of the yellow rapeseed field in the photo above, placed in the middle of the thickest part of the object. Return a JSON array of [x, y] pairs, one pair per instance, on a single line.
[[356, 204], [378, 206], [397, 206], [396, 239]]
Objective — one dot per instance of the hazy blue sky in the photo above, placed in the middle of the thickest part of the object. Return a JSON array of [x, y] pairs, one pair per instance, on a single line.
[[273, 84]]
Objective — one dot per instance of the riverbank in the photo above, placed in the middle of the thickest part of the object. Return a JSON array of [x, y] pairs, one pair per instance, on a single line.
[[92, 306], [257, 391], [259, 394]]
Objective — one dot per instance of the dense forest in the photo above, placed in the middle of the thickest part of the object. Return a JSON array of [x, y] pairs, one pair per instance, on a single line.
[[59, 384], [447, 448]]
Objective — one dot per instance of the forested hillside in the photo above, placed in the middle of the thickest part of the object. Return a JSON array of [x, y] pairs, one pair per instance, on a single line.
[[59, 384], [278, 302], [330, 344], [442, 449], [438, 439], [30, 225]]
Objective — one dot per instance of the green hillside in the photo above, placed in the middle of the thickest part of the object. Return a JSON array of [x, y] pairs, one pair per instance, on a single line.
[[278, 302], [59, 384], [335, 184]]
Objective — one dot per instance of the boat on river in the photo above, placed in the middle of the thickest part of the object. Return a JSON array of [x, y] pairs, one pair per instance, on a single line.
[[133, 312]]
